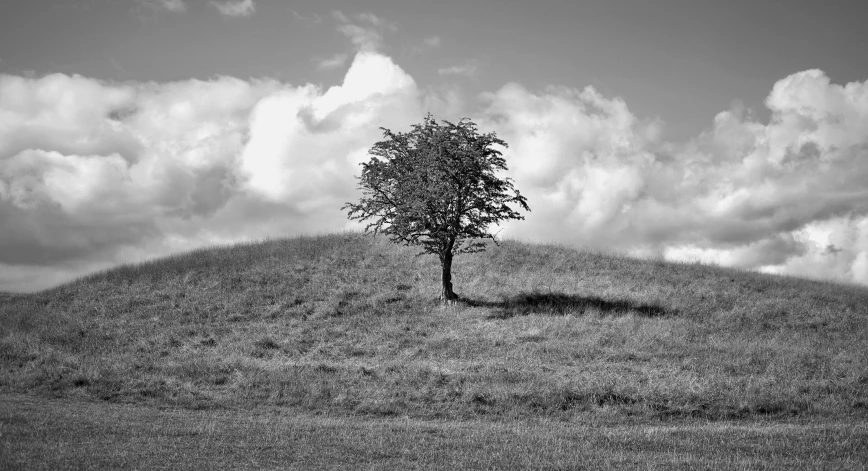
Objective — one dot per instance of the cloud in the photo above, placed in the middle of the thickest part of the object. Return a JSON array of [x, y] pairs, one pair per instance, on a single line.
[[174, 6], [743, 193], [88, 168], [468, 69], [235, 9], [327, 134], [365, 30], [96, 173], [333, 62]]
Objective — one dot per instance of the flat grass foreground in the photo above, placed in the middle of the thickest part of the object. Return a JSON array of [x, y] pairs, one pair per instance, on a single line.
[[61, 434], [553, 354]]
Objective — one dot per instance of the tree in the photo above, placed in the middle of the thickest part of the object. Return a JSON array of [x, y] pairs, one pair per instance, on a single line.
[[436, 187]]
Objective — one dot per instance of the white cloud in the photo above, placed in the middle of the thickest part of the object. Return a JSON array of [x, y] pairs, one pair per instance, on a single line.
[[302, 142], [467, 69], [87, 167], [235, 9], [94, 173], [741, 194], [333, 62]]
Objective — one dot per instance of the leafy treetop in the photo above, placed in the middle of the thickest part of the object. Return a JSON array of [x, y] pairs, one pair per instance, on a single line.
[[436, 187]]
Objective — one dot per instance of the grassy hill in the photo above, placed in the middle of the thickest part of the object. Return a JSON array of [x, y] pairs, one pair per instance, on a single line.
[[349, 325]]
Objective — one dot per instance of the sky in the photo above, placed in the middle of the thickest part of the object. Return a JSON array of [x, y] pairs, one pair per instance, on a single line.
[[731, 133]]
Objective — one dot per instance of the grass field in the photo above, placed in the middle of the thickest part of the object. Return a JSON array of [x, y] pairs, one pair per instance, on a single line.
[[69, 434], [554, 354]]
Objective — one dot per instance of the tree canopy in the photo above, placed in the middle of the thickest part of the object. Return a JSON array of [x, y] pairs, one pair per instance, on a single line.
[[436, 187]]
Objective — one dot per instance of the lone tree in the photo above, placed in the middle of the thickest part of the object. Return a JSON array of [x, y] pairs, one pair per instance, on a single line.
[[436, 187]]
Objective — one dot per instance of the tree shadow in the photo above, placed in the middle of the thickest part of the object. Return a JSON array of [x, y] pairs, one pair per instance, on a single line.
[[560, 304]]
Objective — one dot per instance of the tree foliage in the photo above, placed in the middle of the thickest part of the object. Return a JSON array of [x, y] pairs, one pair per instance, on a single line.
[[436, 187]]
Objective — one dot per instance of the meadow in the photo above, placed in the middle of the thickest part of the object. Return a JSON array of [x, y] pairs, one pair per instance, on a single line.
[[332, 351]]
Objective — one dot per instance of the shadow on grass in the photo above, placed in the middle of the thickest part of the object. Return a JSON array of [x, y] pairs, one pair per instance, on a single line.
[[560, 304]]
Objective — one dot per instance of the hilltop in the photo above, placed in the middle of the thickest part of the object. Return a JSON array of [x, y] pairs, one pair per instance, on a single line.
[[350, 325]]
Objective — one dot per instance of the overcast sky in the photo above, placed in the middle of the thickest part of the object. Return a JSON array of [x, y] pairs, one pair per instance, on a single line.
[[728, 132]]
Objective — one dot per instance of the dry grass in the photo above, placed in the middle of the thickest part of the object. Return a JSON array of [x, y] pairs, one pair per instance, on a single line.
[[64, 434], [348, 325]]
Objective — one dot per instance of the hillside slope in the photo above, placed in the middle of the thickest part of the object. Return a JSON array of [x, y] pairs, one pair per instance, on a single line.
[[347, 324]]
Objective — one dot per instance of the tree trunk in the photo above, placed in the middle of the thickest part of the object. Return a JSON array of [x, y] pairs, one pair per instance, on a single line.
[[447, 296]]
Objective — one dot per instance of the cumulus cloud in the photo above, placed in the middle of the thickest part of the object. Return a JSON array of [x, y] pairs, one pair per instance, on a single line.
[[334, 128], [87, 167], [95, 173], [743, 193], [235, 9]]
